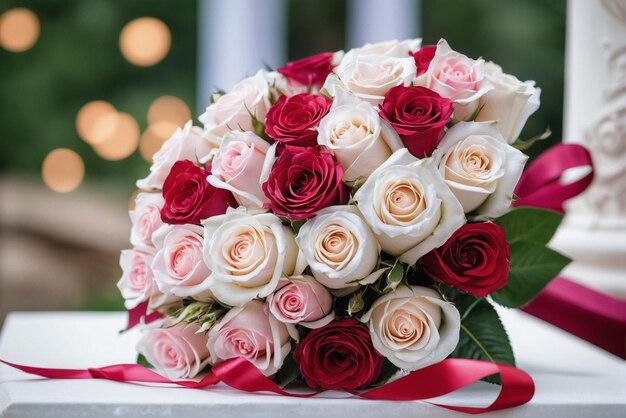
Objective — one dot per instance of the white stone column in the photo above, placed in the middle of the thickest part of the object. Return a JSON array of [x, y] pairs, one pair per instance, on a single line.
[[236, 38], [594, 230], [371, 21]]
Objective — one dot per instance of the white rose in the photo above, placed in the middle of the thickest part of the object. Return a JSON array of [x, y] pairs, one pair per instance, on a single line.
[[237, 167], [394, 48], [178, 265], [409, 207], [145, 218], [234, 110], [247, 253], [413, 327], [339, 246], [510, 103], [480, 168], [188, 143], [458, 78], [371, 76], [357, 137]]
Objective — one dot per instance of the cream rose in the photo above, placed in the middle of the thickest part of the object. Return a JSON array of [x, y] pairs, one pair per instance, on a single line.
[[247, 253], [250, 332], [357, 137], [234, 110], [137, 282], [189, 143], [458, 78], [409, 207], [371, 76], [178, 266], [176, 350], [480, 168], [237, 167], [510, 103], [339, 247], [413, 327], [394, 48], [145, 218]]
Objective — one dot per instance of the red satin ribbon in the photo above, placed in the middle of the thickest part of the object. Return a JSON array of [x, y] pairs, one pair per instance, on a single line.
[[593, 316], [140, 312], [540, 185], [437, 380]]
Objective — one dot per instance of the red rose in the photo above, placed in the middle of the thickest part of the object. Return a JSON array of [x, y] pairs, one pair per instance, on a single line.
[[419, 115], [292, 120], [423, 57], [309, 71], [339, 355], [303, 181], [189, 198], [475, 259]]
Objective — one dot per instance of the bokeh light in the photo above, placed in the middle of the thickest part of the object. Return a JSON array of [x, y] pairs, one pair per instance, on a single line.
[[123, 139], [63, 170], [149, 144], [93, 121], [145, 41], [19, 29], [168, 109]]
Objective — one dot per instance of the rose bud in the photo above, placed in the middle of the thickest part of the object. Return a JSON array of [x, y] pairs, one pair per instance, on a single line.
[[475, 259], [339, 356], [419, 115], [189, 198], [423, 57], [250, 332], [413, 327], [175, 350], [309, 71], [303, 181], [293, 120], [301, 300]]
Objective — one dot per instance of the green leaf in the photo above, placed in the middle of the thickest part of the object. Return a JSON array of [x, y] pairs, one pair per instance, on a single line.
[[524, 144], [529, 224], [532, 267], [356, 303], [395, 276], [142, 361], [483, 336], [288, 372]]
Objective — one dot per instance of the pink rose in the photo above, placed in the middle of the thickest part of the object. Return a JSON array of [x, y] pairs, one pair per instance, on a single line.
[[458, 78], [137, 283], [238, 165], [250, 332], [146, 218], [301, 300], [178, 265], [303, 181], [175, 350]]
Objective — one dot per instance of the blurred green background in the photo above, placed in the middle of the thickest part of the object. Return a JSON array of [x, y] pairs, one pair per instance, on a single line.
[[77, 59]]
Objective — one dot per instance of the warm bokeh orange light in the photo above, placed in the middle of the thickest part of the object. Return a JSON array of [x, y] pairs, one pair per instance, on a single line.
[[149, 144], [168, 109], [93, 121], [63, 170], [123, 140], [145, 41], [19, 29]]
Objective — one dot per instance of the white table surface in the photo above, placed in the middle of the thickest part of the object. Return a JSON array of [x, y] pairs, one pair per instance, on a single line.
[[572, 377]]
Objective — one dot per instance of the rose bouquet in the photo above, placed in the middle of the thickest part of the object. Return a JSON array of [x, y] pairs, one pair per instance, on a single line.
[[340, 220]]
